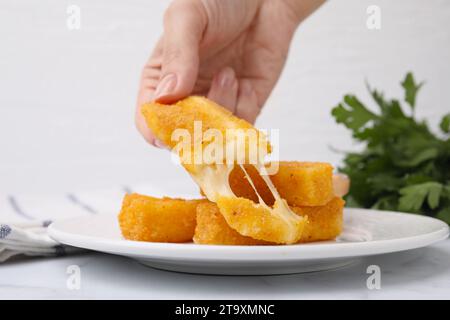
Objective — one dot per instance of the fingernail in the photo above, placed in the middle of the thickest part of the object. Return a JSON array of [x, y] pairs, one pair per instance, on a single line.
[[226, 77], [166, 86], [158, 143]]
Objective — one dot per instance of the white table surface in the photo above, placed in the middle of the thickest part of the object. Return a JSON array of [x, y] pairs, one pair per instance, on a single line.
[[416, 274]]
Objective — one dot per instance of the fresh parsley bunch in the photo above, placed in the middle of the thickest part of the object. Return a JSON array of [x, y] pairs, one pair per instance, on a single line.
[[404, 167]]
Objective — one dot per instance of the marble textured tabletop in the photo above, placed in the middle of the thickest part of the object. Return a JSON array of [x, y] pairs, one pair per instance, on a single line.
[[416, 274]]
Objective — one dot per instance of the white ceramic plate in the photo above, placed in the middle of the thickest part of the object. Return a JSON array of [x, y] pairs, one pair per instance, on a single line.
[[366, 232]]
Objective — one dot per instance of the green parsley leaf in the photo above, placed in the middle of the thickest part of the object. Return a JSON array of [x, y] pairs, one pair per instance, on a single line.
[[411, 89], [444, 214], [414, 196], [445, 123], [352, 113]]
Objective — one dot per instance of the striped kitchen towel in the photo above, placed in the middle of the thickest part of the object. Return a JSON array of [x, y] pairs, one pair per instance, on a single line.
[[24, 218]]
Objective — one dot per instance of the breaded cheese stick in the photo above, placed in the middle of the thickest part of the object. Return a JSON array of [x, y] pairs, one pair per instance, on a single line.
[[324, 223], [145, 218], [310, 187], [202, 123], [212, 228], [300, 183]]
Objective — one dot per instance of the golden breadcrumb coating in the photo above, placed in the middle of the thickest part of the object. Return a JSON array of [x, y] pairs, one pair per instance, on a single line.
[[299, 183], [260, 222], [305, 183], [324, 223], [186, 114], [213, 229], [164, 119], [145, 218]]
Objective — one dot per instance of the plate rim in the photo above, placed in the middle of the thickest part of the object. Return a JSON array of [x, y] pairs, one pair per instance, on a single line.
[[295, 252]]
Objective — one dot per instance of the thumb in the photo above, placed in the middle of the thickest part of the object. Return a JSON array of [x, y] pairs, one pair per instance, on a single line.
[[184, 23]]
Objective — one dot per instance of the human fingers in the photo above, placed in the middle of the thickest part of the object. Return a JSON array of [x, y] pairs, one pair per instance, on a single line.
[[224, 89], [247, 106], [184, 23]]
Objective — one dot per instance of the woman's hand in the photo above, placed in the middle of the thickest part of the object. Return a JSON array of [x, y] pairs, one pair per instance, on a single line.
[[231, 51]]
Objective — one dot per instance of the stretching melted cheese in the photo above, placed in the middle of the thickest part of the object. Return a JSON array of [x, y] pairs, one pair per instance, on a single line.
[[214, 181], [277, 224]]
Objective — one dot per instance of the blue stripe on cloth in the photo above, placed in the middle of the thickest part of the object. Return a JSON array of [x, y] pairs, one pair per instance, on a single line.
[[46, 223], [77, 201], [5, 230], [17, 209], [60, 251]]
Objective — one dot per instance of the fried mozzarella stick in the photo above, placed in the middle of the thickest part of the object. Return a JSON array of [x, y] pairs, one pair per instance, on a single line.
[[324, 223], [300, 183], [145, 218], [259, 220]]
